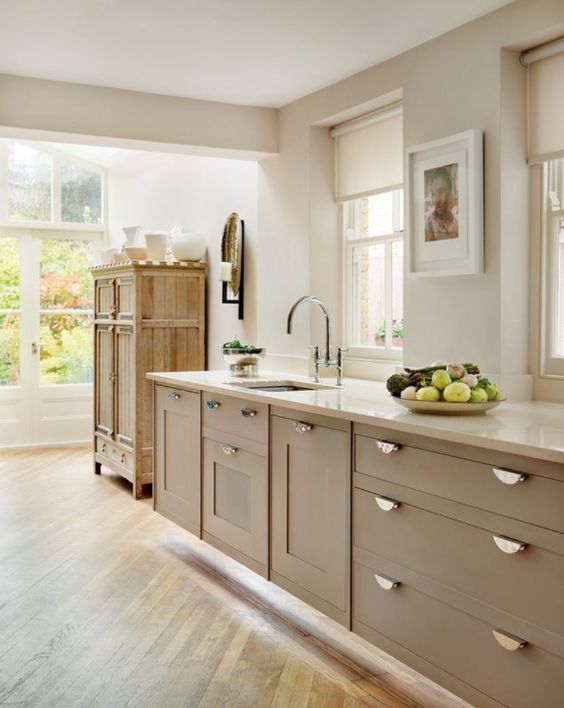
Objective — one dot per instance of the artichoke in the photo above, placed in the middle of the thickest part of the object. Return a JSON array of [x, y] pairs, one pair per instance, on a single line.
[[396, 383]]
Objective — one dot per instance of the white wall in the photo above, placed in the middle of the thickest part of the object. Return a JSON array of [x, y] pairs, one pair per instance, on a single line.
[[159, 190], [464, 79]]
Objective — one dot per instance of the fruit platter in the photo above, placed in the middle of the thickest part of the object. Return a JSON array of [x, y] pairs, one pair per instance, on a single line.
[[445, 389]]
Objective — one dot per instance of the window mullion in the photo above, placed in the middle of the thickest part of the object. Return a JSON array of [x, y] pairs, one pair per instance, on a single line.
[[388, 293], [57, 216]]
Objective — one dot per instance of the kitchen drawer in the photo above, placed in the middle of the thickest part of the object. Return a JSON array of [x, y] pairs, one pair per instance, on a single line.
[[520, 494], [235, 501], [456, 642], [115, 454], [235, 416], [527, 583]]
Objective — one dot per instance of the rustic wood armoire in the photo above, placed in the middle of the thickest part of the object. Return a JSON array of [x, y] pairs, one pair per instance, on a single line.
[[148, 317]]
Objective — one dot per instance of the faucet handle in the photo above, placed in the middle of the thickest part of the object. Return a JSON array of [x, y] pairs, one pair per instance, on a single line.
[[314, 349], [341, 351]]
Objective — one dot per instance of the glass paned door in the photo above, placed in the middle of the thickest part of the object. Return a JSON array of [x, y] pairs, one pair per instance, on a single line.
[[46, 346]]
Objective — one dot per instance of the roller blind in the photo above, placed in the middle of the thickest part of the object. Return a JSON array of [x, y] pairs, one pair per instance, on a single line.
[[546, 109], [369, 159]]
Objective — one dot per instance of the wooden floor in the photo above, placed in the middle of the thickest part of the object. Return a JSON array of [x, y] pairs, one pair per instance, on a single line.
[[98, 608]]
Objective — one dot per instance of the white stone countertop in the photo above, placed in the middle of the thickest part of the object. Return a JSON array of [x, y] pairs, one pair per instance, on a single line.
[[531, 428]]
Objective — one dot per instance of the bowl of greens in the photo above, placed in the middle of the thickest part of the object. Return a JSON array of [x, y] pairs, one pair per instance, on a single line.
[[243, 359]]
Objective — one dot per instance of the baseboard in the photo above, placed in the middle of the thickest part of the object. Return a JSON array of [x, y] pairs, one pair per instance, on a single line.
[[39, 446]]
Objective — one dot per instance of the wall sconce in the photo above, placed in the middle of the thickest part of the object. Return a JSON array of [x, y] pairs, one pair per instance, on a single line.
[[232, 267]]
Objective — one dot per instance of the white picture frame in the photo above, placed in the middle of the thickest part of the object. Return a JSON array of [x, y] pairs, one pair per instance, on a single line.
[[444, 215]]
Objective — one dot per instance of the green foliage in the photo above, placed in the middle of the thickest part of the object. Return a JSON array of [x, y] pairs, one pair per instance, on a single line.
[[66, 356], [81, 195], [397, 330]]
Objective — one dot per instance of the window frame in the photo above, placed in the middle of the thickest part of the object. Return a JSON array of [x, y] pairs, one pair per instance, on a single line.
[[350, 219], [56, 223], [551, 366]]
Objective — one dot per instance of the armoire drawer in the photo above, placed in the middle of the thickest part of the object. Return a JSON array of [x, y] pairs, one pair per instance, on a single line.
[[114, 453], [514, 492], [477, 562], [235, 416], [462, 645]]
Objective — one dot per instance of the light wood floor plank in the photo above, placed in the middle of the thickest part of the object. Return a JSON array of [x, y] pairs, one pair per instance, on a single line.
[[103, 604]]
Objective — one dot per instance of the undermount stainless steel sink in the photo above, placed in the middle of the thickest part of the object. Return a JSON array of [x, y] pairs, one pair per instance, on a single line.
[[282, 386]]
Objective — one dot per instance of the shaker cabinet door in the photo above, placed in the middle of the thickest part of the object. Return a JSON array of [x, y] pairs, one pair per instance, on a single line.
[[176, 485], [235, 501], [311, 512]]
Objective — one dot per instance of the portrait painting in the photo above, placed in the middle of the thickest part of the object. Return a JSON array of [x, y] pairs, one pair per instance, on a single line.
[[441, 203], [444, 213]]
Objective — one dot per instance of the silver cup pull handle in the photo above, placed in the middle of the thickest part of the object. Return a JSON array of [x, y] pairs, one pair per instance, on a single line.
[[303, 427], [508, 477], [385, 582], [509, 545], [387, 447], [248, 412], [508, 641], [385, 503]]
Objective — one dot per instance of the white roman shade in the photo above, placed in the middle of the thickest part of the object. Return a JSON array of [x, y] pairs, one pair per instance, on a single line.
[[368, 155], [546, 108]]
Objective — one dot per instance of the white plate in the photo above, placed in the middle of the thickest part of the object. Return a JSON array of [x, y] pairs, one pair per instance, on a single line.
[[444, 408]]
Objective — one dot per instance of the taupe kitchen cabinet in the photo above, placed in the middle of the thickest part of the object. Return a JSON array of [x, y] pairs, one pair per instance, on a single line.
[[148, 317], [457, 567], [235, 488], [310, 477], [177, 488]]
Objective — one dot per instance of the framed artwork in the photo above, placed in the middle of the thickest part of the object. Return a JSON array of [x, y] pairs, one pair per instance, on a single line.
[[445, 207]]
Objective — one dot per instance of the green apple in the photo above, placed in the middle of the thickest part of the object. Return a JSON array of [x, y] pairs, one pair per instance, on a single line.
[[457, 392], [492, 393], [478, 395], [428, 393], [441, 379]]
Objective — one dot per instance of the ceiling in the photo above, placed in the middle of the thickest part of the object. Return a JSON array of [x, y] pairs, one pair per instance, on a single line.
[[255, 52]]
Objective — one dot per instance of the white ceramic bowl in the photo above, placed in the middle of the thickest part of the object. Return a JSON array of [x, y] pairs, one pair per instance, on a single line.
[[189, 246], [136, 253]]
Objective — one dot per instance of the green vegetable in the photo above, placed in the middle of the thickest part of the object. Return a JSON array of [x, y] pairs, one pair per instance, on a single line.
[[396, 383], [235, 344]]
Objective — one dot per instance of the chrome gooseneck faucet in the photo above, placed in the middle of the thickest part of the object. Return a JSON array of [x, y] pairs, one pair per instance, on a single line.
[[318, 361]]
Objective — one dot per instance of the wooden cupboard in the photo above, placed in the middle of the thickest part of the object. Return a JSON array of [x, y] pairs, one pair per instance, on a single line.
[[310, 458], [148, 317]]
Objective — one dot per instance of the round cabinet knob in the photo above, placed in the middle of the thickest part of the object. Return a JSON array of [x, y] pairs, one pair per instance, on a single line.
[[229, 449], [212, 405], [173, 396], [303, 427]]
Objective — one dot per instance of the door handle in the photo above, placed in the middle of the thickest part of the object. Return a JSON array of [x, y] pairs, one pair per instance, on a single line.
[[508, 641], [385, 582], [36, 347]]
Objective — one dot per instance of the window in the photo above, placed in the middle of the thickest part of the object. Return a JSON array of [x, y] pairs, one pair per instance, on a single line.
[[552, 344], [46, 187], [369, 186], [373, 244]]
